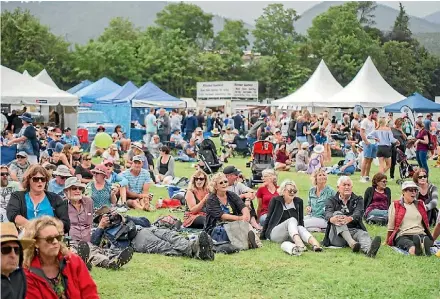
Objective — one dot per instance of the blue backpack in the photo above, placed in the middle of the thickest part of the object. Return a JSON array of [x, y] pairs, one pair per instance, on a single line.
[[219, 234]]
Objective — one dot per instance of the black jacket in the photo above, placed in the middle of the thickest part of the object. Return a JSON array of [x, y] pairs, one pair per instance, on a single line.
[[15, 286], [17, 206], [355, 207], [214, 211], [275, 212], [368, 197]]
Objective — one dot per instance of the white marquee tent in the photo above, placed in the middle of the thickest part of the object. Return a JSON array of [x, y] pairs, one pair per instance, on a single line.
[[26, 73], [367, 89], [44, 77], [21, 89], [315, 92]]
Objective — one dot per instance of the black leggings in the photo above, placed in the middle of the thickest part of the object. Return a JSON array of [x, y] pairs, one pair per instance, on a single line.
[[394, 160], [199, 222]]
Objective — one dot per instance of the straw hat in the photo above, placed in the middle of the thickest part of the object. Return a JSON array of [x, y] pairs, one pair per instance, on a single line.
[[318, 149], [77, 150], [62, 170], [73, 181], [137, 145], [9, 233]]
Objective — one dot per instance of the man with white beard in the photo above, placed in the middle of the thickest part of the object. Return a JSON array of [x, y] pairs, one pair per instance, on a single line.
[[8, 186]]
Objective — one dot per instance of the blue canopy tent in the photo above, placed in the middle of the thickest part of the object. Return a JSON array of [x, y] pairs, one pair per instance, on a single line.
[[119, 95], [80, 86], [100, 88], [416, 103], [149, 95]]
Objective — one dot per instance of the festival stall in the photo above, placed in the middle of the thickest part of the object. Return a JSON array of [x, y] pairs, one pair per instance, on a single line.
[[100, 88], [80, 86]]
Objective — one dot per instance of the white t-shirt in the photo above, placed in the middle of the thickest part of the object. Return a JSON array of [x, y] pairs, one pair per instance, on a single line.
[[368, 126], [284, 126]]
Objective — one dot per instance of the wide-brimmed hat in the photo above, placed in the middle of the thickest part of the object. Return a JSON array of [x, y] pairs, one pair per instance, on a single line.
[[305, 145], [137, 145], [62, 170], [318, 149], [99, 169], [409, 184], [77, 150], [27, 117], [113, 146], [73, 181], [9, 233], [22, 154], [215, 131]]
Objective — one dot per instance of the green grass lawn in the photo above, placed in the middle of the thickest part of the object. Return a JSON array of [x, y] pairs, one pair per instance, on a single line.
[[268, 272]]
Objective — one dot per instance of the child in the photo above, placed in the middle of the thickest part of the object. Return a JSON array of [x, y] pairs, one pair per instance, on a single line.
[[316, 159]]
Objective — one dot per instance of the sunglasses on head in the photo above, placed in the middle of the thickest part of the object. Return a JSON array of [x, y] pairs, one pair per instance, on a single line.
[[4, 174], [51, 239], [8, 249], [20, 157], [75, 188], [37, 179], [412, 189], [423, 176], [199, 179]]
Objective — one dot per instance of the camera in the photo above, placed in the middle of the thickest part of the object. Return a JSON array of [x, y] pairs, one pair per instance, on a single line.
[[113, 218]]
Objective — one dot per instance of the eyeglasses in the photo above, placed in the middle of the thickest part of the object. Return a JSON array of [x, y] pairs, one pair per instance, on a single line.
[[292, 191], [223, 182], [199, 179], [412, 189], [384, 181], [423, 176], [5, 174], [8, 249], [51, 239], [63, 177], [75, 188], [58, 135], [87, 159], [20, 157], [109, 165], [37, 179]]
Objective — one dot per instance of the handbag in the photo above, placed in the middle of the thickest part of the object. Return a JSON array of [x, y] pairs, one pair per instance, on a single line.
[[219, 234], [238, 232]]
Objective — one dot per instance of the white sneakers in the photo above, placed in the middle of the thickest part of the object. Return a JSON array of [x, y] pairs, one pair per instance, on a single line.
[[364, 179]]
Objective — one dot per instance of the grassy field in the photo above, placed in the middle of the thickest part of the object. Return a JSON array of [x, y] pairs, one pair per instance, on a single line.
[[270, 273]]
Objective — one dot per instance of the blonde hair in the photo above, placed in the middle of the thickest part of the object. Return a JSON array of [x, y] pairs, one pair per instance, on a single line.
[[31, 172], [382, 122], [32, 231], [192, 184], [283, 186], [214, 180], [314, 175], [270, 172]]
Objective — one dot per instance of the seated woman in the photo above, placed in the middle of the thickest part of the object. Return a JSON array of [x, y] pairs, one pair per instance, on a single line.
[[84, 170], [428, 193], [100, 190], [316, 160], [282, 161], [165, 166], [223, 205], [377, 199], [176, 140], [111, 154], [124, 142], [348, 166], [285, 220], [66, 157], [195, 199], [408, 227], [302, 158], [52, 271], [35, 201], [318, 196], [265, 193]]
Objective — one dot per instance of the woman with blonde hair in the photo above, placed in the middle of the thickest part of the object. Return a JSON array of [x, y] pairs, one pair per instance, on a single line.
[[265, 193], [52, 271], [318, 195], [195, 199], [327, 125], [66, 157]]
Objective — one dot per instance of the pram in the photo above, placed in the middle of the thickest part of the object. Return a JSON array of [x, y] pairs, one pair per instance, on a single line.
[[262, 158], [406, 170], [207, 153]]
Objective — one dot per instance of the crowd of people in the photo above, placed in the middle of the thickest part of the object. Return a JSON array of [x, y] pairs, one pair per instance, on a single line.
[[63, 209]]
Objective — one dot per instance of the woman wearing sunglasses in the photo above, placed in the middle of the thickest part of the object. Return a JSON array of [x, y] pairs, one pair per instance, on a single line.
[[52, 271], [195, 198], [428, 193], [35, 201], [83, 171], [408, 227], [285, 221], [377, 200], [223, 205]]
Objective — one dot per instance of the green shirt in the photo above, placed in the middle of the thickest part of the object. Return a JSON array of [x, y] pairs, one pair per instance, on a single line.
[[318, 203]]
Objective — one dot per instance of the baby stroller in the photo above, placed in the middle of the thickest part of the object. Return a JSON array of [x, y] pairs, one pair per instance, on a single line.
[[406, 170], [262, 158], [207, 153], [242, 145]]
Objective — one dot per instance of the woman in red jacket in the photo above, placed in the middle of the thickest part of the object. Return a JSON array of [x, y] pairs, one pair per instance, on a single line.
[[52, 271]]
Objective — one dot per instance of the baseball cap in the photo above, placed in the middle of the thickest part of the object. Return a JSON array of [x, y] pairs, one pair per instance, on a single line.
[[22, 154], [409, 184], [420, 115], [108, 162], [231, 170], [138, 158]]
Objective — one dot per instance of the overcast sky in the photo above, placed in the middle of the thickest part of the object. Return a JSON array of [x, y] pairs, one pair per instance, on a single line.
[[248, 11]]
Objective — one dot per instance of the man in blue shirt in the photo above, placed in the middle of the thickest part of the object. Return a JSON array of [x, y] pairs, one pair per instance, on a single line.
[[56, 185], [139, 181], [68, 138], [150, 126], [190, 124]]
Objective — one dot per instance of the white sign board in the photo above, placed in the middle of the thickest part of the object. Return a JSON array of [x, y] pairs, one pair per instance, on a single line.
[[227, 90]]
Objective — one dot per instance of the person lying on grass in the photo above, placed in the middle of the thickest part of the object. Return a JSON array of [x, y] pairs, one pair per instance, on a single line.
[[344, 214], [150, 239], [408, 224], [139, 181], [244, 192], [285, 219]]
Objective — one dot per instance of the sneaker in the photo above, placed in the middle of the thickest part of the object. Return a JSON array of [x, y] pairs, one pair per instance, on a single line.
[[296, 251], [427, 244], [251, 240], [205, 244], [374, 248], [83, 250], [356, 247], [418, 245], [367, 178], [121, 209], [121, 259], [363, 179]]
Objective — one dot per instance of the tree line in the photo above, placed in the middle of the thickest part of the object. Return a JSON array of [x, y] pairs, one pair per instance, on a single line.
[[181, 49]]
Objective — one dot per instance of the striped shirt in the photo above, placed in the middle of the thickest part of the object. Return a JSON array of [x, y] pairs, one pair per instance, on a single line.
[[136, 183]]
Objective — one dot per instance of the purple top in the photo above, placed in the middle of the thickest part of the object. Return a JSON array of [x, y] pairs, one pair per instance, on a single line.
[[379, 202], [81, 221]]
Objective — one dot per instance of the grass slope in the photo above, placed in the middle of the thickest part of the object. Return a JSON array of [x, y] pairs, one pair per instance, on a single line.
[[270, 273]]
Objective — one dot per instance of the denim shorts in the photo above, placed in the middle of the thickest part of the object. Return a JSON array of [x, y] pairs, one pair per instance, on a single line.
[[370, 151]]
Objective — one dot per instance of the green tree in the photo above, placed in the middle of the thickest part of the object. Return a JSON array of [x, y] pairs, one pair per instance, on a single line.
[[120, 29], [233, 37], [366, 12], [194, 24], [401, 31]]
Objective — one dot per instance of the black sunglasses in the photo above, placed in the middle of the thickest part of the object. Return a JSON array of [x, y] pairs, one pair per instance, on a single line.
[[75, 188], [20, 157], [8, 249], [58, 135], [423, 176], [37, 179], [51, 239], [199, 179], [223, 182], [5, 174], [412, 189], [87, 159], [109, 165]]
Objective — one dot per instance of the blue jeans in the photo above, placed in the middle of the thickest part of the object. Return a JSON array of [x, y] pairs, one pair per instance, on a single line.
[[349, 170], [141, 221], [251, 141], [262, 219], [301, 139], [378, 213], [422, 160]]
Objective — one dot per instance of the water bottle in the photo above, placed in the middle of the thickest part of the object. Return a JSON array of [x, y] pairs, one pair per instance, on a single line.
[[160, 202]]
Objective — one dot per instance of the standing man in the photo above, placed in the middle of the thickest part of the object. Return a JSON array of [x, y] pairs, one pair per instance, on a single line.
[[190, 123], [238, 121], [8, 186], [284, 121], [256, 130], [150, 126], [200, 119], [13, 278], [27, 139], [368, 125], [163, 126], [175, 121]]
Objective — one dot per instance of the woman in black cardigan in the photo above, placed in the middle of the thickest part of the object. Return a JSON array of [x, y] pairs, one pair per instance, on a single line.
[[377, 200], [285, 221]]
